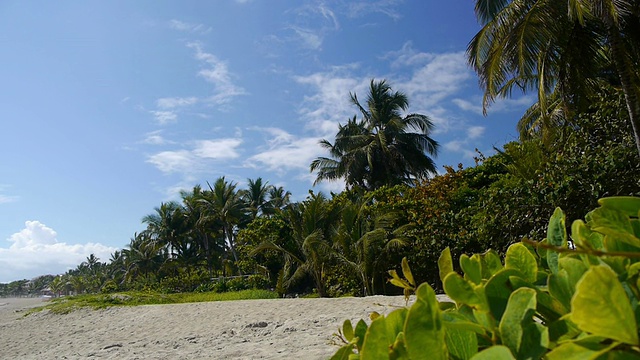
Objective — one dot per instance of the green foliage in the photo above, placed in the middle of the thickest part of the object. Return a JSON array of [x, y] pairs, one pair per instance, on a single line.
[[581, 304]]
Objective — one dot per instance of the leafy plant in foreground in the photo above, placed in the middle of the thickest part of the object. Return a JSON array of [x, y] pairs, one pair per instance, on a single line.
[[546, 300]]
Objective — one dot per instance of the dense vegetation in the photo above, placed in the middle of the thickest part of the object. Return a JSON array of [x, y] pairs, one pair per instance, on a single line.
[[577, 146]]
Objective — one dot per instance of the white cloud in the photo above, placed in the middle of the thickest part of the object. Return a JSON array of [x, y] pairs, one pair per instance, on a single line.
[[217, 149], [501, 105], [217, 73], [164, 117], [310, 39], [172, 161], [35, 250], [173, 102], [286, 152], [364, 8], [155, 138], [188, 27], [465, 105], [4, 199], [197, 158], [475, 132]]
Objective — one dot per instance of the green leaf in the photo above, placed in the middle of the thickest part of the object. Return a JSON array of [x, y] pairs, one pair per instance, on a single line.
[[491, 264], [556, 236], [498, 290], [398, 350], [601, 307], [629, 205], [520, 258], [613, 223], [445, 263], [461, 291], [423, 330], [457, 321], [360, 332], [560, 288], [462, 344], [571, 351], [498, 352], [343, 353], [521, 306], [376, 345], [406, 271], [347, 330], [472, 268]]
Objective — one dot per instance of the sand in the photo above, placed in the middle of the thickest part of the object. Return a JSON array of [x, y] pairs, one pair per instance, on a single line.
[[247, 329]]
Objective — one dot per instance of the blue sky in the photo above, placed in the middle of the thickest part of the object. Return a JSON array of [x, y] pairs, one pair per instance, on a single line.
[[109, 108]]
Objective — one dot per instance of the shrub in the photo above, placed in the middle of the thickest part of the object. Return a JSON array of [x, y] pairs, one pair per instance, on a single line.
[[546, 300]]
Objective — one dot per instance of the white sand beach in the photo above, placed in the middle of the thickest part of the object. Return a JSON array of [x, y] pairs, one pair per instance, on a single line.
[[247, 329]]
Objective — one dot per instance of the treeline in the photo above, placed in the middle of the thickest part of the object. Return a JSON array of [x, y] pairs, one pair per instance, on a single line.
[[220, 237]]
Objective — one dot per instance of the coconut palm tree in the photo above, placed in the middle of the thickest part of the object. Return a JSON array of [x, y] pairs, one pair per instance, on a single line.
[[224, 203], [561, 50], [255, 196], [384, 147]]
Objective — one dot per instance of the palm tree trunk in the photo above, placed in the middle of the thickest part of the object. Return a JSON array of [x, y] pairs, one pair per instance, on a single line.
[[623, 68]]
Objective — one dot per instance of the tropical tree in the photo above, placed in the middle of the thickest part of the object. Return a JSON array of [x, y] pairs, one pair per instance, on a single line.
[[224, 203], [255, 196], [167, 225], [562, 50], [364, 237], [384, 147], [312, 226]]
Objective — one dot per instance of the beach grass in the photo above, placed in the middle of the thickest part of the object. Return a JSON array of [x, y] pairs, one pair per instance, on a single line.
[[67, 304]]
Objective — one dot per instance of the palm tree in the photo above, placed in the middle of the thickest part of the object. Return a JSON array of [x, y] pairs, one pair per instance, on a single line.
[[255, 196], [364, 237], [167, 225], [313, 224], [143, 256], [224, 204], [278, 200], [385, 147], [560, 49]]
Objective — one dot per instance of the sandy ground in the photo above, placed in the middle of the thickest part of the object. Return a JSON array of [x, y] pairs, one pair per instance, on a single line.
[[248, 329]]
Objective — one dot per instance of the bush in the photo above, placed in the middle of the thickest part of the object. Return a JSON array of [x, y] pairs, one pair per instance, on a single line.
[[546, 300]]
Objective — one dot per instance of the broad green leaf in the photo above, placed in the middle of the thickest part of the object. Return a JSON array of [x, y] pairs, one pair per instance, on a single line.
[[398, 350], [613, 223], [462, 344], [472, 268], [360, 331], [535, 341], [347, 330], [601, 307], [519, 311], [629, 205], [491, 264], [397, 281], [498, 290], [395, 323], [556, 236], [406, 271], [498, 352], [445, 263], [574, 268], [343, 353], [563, 329], [424, 330], [572, 351], [376, 345], [454, 320], [462, 291], [560, 288], [520, 258], [585, 238], [548, 306]]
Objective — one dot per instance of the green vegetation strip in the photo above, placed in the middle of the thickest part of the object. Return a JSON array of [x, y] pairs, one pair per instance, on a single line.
[[100, 301]]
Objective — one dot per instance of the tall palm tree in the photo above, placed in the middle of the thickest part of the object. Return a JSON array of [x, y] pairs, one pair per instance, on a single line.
[[223, 202], [278, 200], [255, 196], [167, 225], [384, 147], [561, 50]]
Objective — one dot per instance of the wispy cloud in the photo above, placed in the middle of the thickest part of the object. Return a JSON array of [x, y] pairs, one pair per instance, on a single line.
[[35, 250], [164, 117], [188, 27], [4, 198], [197, 158], [285, 152], [174, 102], [365, 8], [155, 138], [217, 73], [474, 105]]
